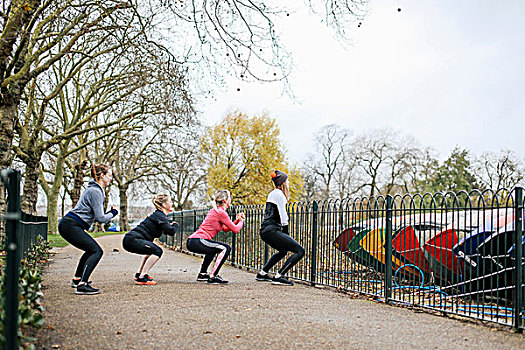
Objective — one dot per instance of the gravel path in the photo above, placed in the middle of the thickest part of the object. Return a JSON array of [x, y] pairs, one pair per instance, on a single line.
[[180, 313]]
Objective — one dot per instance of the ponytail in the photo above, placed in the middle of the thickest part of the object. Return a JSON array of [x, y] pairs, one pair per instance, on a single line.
[[94, 172], [159, 199], [99, 169]]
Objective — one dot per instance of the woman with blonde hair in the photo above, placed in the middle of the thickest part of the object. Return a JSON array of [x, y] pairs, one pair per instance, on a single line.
[[140, 239], [274, 232], [72, 227], [201, 240]]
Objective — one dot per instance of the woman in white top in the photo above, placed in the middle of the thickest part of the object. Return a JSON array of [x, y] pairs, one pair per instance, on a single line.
[[274, 231]]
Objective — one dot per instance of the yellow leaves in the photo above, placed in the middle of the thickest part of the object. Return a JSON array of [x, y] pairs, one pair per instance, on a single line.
[[240, 153], [26, 7]]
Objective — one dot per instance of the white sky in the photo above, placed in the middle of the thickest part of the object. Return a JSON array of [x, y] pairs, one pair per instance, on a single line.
[[447, 72]]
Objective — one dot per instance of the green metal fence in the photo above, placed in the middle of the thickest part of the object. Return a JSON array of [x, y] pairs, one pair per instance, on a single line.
[[21, 230], [458, 253]]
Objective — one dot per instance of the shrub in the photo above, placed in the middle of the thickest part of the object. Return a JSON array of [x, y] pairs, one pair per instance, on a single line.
[[30, 306]]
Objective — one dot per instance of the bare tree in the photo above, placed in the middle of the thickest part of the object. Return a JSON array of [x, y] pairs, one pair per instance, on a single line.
[[109, 96], [243, 36], [182, 172], [36, 35], [405, 154], [495, 171], [330, 144]]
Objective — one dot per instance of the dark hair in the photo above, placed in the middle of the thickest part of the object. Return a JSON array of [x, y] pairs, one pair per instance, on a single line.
[[99, 169]]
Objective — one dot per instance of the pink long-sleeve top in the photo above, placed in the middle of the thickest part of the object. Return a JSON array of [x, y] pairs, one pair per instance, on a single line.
[[215, 222]]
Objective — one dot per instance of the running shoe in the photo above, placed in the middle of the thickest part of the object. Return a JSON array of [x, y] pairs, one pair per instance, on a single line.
[[282, 281], [203, 277], [86, 289], [137, 275], [145, 281], [263, 278], [75, 282], [216, 280]]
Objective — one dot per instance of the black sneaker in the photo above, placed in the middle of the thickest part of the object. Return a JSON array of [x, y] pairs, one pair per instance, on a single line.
[[216, 280], [86, 289], [203, 277], [75, 282], [263, 278], [145, 280], [282, 281], [137, 276]]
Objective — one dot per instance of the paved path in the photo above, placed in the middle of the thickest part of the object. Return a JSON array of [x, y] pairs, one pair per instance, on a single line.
[[180, 313]]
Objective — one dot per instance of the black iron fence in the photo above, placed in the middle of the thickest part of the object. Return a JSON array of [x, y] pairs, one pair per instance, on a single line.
[[21, 231], [458, 253]]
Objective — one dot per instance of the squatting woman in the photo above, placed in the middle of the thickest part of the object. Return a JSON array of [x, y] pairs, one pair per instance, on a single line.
[[274, 231], [201, 240], [72, 227], [140, 239]]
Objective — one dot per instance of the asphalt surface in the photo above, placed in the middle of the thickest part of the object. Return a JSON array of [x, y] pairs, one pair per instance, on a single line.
[[181, 313]]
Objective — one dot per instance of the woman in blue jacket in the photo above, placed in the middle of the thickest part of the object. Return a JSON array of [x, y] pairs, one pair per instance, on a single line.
[[73, 226]]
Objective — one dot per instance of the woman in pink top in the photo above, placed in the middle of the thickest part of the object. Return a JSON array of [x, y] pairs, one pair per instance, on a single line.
[[201, 240]]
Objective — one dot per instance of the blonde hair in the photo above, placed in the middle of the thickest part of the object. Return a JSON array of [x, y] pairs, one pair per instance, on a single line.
[[159, 199], [220, 197], [285, 188], [99, 169]]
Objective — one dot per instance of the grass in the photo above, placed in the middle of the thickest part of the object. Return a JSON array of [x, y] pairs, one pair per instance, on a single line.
[[58, 241]]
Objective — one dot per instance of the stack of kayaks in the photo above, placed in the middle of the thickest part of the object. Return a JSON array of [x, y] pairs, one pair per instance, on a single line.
[[471, 251]]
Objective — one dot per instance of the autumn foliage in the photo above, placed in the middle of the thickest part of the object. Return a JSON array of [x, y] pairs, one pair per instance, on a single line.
[[240, 152]]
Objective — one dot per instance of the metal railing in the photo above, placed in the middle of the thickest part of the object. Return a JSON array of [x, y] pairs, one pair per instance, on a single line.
[[457, 253], [21, 231]]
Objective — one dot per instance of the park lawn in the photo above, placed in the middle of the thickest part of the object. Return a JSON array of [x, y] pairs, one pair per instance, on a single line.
[[58, 241]]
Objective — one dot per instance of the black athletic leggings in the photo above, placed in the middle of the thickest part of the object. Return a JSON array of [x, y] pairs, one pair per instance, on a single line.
[[133, 242], [283, 244], [209, 248], [74, 234]]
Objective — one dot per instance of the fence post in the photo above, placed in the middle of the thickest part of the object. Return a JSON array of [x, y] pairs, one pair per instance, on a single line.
[[388, 249], [181, 233], [13, 257], [234, 236], [518, 295], [313, 263]]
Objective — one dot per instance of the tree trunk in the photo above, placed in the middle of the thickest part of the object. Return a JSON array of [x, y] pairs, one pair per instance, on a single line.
[[79, 181], [52, 214], [30, 193], [7, 132], [7, 129], [98, 227], [52, 196], [123, 218]]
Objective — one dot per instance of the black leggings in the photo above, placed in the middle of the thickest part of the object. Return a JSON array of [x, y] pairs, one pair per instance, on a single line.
[[135, 243], [209, 248], [74, 234], [283, 244]]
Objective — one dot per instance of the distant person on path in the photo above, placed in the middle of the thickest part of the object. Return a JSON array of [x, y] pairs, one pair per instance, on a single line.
[[201, 241], [140, 239], [72, 227], [274, 231]]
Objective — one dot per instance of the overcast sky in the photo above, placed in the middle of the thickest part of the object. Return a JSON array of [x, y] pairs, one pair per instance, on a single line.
[[447, 72]]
